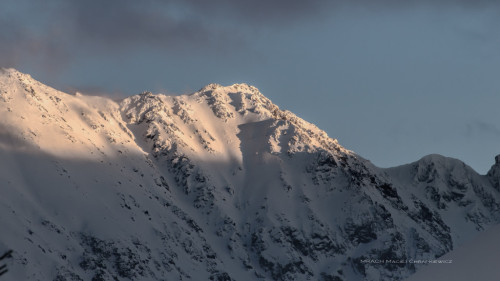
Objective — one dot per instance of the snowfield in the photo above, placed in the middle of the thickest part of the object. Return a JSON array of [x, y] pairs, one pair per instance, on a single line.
[[476, 260], [220, 184]]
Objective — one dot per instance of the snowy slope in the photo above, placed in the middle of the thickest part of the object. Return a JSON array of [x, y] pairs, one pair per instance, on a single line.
[[476, 260], [220, 184]]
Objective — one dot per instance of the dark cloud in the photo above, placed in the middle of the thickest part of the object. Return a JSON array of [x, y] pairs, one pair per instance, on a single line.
[[162, 23], [54, 31], [126, 22], [24, 38], [175, 24], [57, 31]]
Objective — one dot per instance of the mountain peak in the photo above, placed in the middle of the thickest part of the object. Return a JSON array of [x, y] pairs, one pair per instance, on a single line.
[[439, 160], [497, 160], [238, 87], [221, 111], [14, 73], [495, 166], [210, 87], [494, 173], [8, 70]]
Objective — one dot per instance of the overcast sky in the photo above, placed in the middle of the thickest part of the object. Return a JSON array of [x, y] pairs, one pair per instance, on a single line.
[[391, 80]]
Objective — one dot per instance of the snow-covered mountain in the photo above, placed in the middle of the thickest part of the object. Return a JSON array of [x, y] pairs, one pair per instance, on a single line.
[[220, 184]]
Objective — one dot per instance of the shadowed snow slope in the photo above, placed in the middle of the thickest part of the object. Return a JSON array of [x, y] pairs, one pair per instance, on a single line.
[[220, 184], [476, 260]]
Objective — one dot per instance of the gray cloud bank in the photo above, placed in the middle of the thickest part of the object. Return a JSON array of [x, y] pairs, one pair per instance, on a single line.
[[53, 31]]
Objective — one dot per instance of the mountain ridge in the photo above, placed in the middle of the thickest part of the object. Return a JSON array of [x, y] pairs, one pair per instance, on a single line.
[[220, 184]]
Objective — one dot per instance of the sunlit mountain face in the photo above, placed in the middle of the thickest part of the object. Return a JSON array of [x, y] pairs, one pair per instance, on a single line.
[[220, 184]]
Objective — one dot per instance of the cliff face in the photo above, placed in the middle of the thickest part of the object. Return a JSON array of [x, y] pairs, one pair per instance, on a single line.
[[217, 185]]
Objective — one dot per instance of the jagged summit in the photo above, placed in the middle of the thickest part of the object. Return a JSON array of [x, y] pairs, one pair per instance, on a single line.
[[233, 107], [12, 74], [494, 173], [497, 163], [238, 87], [11, 71]]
